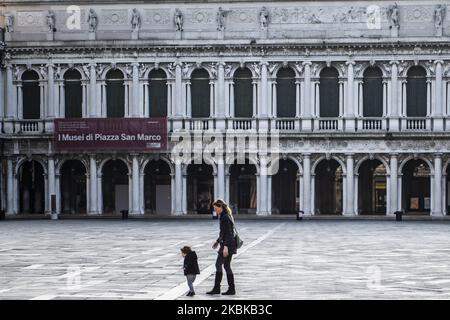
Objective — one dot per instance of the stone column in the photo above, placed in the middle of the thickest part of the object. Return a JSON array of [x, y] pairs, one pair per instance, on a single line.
[[135, 185], [50, 92], [220, 97], [10, 191], [92, 106], [188, 99], [231, 112], [93, 185], [51, 182], [437, 113], [341, 97], [349, 207], [221, 179], [212, 108], [273, 113], [297, 97], [394, 124], [141, 193], [263, 113], [255, 98], [135, 107], [393, 184], [178, 188], [306, 109], [10, 110], [263, 185], [178, 107], [349, 110], [306, 184], [437, 195]]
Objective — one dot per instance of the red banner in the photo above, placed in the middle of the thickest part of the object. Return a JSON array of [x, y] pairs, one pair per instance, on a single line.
[[102, 134]]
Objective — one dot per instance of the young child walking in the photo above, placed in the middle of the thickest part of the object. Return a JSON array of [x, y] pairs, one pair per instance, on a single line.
[[191, 269]]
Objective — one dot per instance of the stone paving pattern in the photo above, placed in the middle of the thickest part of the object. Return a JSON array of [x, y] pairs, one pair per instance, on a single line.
[[111, 259]]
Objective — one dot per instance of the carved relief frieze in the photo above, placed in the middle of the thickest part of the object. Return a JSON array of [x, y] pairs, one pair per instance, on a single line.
[[114, 17]]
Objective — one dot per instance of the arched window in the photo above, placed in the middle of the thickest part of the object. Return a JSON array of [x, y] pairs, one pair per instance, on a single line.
[[373, 92], [286, 93], [157, 91], [416, 88], [115, 94], [329, 92], [72, 94], [200, 94], [31, 95], [243, 93]]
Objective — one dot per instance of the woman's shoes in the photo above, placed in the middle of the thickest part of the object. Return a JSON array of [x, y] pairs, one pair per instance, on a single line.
[[229, 292], [190, 294], [214, 291]]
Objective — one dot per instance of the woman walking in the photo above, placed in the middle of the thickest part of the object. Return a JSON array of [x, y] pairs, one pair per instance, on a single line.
[[227, 248]]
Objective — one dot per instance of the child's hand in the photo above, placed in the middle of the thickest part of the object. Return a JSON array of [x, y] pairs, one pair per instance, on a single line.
[[215, 244]]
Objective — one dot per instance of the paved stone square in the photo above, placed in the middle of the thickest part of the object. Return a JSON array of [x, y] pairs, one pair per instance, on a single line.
[[139, 259]]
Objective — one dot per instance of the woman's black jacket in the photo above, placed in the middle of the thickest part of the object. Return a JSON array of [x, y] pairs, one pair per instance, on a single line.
[[226, 235]]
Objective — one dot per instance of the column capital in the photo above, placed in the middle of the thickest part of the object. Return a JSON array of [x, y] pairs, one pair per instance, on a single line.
[[393, 155], [394, 62], [307, 63], [306, 155], [134, 64], [438, 155], [92, 64], [436, 62], [349, 155], [350, 63]]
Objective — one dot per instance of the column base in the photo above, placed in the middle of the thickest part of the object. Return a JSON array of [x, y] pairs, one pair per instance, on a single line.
[[394, 124], [178, 213], [134, 35], [8, 127], [307, 124], [50, 36], [437, 214], [349, 125], [91, 36], [263, 213], [93, 213], [438, 124]]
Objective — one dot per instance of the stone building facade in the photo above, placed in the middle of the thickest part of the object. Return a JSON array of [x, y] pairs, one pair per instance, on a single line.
[[357, 92]]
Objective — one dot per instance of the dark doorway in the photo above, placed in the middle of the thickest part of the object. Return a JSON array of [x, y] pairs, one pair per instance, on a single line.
[[328, 187], [115, 94], [200, 94], [416, 90], [329, 93], [286, 95], [200, 188], [115, 186], [416, 187], [31, 108], [373, 92], [157, 188], [243, 187], [73, 94], [285, 191], [243, 93], [372, 187], [73, 187], [157, 91], [31, 187]]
